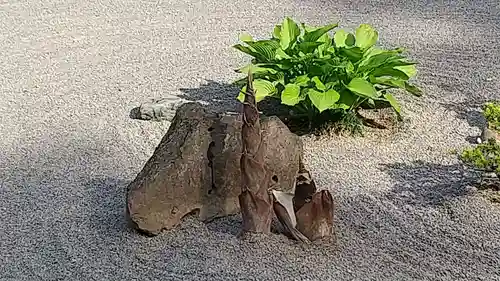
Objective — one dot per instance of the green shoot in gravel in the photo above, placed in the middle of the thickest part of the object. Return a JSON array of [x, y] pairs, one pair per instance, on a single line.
[[486, 156], [312, 71], [491, 112]]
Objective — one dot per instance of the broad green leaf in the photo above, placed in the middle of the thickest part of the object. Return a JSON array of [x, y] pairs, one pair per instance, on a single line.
[[289, 33], [262, 88], [409, 70], [371, 52], [362, 87], [384, 59], [389, 71], [302, 80], [347, 99], [375, 51], [323, 100], [366, 36], [339, 38], [280, 54], [256, 69], [376, 61], [394, 103], [266, 48], [350, 40], [353, 54], [245, 37], [279, 78], [308, 47], [413, 89], [249, 51], [397, 62], [389, 81], [330, 85], [312, 36], [291, 95], [349, 68], [318, 83], [306, 27], [277, 31], [327, 43]]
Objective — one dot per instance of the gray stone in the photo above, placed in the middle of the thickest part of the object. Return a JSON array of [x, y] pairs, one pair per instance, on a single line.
[[196, 167], [158, 110]]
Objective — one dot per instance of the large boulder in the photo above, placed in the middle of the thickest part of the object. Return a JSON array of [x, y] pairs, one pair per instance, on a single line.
[[196, 167]]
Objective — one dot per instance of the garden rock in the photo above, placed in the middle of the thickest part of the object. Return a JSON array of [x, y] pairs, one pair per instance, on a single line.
[[196, 167], [158, 110]]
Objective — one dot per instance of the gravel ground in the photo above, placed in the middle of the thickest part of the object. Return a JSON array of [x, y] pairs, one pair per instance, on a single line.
[[71, 71]]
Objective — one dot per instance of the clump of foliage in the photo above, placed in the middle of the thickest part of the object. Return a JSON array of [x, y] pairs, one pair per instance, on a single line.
[[314, 72], [485, 156], [491, 112]]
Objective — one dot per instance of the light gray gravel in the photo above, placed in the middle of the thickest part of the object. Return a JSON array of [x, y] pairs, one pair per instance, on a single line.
[[71, 71]]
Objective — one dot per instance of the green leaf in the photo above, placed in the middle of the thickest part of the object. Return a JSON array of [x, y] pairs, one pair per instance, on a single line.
[[413, 89], [309, 47], [394, 103], [366, 36], [291, 95], [306, 27], [389, 71], [277, 31], [327, 42], [280, 54], [353, 54], [347, 99], [362, 87], [315, 34], [349, 68], [330, 85], [256, 69], [375, 60], [339, 38], [302, 80], [350, 40], [266, 48], [409, 70], [323, 100], [389, 81], [262, 88], [249, 51], [375, 51], [289, 33], [245, 37], [279, 78], [318, 83]]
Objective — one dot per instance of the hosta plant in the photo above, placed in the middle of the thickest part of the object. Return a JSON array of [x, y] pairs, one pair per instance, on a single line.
[[314, 71]]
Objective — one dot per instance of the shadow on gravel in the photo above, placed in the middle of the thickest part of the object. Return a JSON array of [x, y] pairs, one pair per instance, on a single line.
[[107, 201], [229, 225], [220, 97], [469, 110], [428, 184]]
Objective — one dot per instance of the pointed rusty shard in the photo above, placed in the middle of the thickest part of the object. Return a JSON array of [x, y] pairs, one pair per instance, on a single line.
[[305, 187], [255, 201], [315, 218], [283, 208]]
